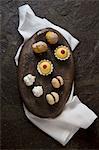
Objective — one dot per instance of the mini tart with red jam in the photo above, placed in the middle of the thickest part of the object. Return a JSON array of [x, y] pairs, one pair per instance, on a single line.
[[45, 67], [62, 52]]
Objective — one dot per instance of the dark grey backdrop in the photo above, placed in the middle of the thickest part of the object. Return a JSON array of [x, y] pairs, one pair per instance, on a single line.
[[80, 18]]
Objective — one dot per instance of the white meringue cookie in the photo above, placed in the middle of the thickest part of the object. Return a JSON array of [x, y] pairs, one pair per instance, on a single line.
[[29, 79], [37, 91]]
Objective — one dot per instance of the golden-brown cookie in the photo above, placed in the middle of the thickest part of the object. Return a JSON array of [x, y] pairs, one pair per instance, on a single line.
[[40, 47], [51, 37], [52, 98], [57, 82]]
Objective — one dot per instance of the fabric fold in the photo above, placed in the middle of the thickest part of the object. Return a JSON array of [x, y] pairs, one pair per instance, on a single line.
[[75, 114]]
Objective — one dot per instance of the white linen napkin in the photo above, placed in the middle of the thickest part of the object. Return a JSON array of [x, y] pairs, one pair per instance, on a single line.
[[75, 114]]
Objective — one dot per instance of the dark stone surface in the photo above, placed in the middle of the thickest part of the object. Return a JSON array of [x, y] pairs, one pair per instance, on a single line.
[[80, 18]]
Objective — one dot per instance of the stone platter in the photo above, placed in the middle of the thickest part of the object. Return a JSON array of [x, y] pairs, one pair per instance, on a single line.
[[28, 64]]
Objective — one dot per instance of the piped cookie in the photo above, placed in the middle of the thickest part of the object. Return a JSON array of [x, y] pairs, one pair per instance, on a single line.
[[40, 47], [57, 82], [29, 79], [62, 52], [52, 37], [45, 67], [52, 98]]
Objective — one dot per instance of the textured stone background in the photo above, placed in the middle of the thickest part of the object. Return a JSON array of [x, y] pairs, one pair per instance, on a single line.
[[80, 18]]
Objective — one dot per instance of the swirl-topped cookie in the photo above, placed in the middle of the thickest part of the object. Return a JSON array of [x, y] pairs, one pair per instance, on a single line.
[[45, 67], [62, 52]]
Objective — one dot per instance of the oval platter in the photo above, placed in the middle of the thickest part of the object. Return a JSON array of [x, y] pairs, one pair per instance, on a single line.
[[28, 61]]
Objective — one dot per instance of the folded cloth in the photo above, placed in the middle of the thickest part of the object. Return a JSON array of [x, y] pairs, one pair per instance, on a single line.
[[75, 114]]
